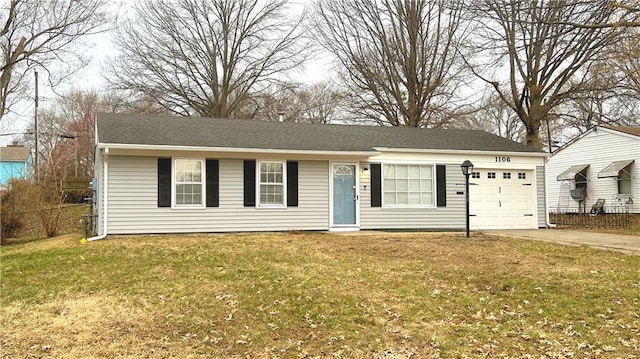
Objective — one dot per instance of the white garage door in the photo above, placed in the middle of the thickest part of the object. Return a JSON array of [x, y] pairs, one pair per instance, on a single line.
[[502, 199]]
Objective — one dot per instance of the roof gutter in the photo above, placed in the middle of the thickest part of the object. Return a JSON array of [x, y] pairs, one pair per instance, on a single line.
[[126, 146], [458, 152], [105, 173], [546, 204]]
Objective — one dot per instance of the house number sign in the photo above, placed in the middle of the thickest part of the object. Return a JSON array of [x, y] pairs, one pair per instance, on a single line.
[[503, 159]]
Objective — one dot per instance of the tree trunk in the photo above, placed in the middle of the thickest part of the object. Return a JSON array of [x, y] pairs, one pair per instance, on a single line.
[[537, 113]]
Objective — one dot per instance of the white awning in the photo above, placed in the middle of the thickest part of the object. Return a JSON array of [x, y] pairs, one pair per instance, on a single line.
[[570, 174], [614, 168]]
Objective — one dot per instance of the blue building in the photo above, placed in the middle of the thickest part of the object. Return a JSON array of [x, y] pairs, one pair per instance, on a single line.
[[15, 163]]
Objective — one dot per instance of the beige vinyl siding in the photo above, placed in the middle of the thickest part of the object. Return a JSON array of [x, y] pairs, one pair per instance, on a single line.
[[540, 197], [133, 201], [598, 150], [450, 217]]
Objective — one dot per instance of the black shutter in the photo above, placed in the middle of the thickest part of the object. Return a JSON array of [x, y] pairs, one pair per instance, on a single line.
[[213, 183], [441, 185], [164, 182], [292, 183], [249, 183], [376, 185]]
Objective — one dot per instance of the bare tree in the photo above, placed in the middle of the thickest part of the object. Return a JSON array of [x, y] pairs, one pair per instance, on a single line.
[[275, 103], [626, 62], [66, 130], [322, 103], [398, 58], [317, 103], [545, 57], [37, 34], [612, 88], [206, 57], [626, 14], [496, 117]]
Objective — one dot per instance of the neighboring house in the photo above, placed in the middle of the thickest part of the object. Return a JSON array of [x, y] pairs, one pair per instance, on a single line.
[[602, 163], [15, 161], [160, 174]]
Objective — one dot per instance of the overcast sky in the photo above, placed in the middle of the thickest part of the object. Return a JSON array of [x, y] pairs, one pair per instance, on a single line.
[[99, 47]]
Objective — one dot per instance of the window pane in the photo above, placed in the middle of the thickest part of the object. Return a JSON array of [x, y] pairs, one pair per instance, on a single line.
[[389, 198], [271, 189], [427, 198], [408, 185], [402, 185], [426, 171], [188, 182], [187, 194], [389, 171], [414, 185], [401, 171], [389, 185], [414, 171], [271, 194], [179, 166], [624, 186], [414, 198]]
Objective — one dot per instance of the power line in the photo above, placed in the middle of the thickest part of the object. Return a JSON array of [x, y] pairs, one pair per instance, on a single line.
[[16, 133]]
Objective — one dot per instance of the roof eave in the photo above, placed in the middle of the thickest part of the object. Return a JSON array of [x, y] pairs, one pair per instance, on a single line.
[[595, 130], [459, 152], [126, 146]]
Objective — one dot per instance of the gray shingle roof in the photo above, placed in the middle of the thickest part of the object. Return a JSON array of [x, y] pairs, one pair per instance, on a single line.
[[632, 130], [236, 133], [14, 154]]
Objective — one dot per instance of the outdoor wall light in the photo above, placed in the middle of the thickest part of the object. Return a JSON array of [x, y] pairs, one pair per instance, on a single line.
[[467, 167]]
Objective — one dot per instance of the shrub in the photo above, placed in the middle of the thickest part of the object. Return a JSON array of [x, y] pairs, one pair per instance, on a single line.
[[11, 220], [77, 195], [25, 198]]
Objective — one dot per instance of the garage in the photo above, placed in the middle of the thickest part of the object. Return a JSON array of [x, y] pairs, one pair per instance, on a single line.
[[502, 198]]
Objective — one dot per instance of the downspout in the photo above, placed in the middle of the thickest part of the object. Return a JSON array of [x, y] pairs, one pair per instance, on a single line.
[[105, 173], [546, 203]]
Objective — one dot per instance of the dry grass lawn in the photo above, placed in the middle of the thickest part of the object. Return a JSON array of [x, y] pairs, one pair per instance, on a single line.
[[316, 295]]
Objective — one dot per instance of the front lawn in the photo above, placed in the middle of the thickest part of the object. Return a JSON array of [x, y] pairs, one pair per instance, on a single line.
[[316, 295]]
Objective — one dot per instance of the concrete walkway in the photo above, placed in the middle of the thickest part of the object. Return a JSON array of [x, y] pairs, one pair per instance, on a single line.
[[617, 242]]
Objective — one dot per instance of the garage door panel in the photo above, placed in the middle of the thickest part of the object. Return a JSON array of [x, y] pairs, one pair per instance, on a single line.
[[503, 200]]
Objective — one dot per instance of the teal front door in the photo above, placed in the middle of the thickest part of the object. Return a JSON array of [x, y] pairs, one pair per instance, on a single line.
[[345, 194]]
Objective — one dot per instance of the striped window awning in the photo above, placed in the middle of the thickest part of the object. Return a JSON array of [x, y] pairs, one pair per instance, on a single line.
[[571, 172], [614, 168]]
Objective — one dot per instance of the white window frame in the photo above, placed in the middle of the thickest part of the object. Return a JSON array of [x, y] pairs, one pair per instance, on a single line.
[[174, 184], [259, 204], [434, 193]]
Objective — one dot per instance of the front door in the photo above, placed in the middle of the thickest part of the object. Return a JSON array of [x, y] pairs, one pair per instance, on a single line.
[[345, 194]]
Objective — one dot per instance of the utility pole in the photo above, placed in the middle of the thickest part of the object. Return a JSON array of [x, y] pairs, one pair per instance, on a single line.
[[35, 116], [75, 164]]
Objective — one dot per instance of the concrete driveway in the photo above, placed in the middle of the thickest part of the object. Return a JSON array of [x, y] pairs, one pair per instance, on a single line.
[[617, 242]]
